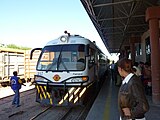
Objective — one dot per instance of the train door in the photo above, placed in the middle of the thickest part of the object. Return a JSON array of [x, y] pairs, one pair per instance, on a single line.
[[92, 65]]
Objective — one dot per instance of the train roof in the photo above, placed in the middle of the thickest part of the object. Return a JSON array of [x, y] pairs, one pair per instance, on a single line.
[[72, 39]]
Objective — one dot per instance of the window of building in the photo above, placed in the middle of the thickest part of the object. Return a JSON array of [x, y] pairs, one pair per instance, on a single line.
[[138, 49], [148, 50]]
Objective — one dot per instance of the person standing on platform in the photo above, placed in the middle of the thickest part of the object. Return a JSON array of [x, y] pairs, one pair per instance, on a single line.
[[16, 86], [137, 70], [132, 101], [141, 68], [112, 70], [147, 78]]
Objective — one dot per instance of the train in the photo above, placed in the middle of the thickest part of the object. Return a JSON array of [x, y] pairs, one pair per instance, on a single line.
[[16, 60], [67, 67]]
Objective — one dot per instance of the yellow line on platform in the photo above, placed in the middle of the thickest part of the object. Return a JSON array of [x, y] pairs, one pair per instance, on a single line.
[[108, 104]]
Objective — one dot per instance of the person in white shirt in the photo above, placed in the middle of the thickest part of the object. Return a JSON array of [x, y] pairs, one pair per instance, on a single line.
[[137, 69], [132, 102]]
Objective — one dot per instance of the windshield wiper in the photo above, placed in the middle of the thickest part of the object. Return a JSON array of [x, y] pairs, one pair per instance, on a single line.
[[59, 58], [57, 61], [60, 61], [53, 63]]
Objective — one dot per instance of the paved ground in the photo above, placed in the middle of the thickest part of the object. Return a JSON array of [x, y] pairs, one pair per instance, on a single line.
[[7, 91], [105, 106]]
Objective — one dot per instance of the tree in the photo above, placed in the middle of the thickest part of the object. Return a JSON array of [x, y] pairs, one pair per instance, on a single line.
[[17, 47]]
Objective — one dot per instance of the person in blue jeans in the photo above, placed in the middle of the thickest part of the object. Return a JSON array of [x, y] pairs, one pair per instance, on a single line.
[[16, 86]]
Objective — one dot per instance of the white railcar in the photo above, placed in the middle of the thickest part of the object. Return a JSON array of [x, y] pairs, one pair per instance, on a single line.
[[66, 68]]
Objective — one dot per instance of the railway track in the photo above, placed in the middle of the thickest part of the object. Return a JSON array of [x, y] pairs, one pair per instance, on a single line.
[[31, 110], [36, 116], [62, 113], [65, 113]]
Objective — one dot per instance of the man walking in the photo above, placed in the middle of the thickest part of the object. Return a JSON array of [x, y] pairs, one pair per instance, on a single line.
[[16, 86]]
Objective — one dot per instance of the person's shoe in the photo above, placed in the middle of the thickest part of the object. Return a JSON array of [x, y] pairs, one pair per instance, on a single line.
[[13, 103], [18, 105]]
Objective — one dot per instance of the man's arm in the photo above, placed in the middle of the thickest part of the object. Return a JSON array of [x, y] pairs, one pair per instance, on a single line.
[[20, 82]]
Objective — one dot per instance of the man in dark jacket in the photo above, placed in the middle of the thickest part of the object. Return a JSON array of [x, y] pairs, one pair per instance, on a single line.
[[16, 86]]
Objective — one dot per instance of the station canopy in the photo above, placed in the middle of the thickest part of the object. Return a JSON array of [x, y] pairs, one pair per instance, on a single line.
[[117, 20]]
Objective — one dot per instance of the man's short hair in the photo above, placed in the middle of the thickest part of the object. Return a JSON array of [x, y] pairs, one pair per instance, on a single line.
[[15, 73]]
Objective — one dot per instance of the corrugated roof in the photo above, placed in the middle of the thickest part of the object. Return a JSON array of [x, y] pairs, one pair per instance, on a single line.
[[117, 20]]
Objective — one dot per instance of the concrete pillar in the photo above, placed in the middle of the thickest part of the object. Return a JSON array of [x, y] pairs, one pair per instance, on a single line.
[[153, 17]]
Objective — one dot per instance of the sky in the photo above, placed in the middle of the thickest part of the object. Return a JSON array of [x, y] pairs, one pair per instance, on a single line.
[[32, 23]]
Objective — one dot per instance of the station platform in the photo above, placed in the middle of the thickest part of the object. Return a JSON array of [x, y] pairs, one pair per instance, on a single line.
[[105, 106]]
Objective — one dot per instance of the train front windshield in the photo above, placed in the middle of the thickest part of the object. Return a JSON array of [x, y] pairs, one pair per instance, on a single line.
[[62, 58]]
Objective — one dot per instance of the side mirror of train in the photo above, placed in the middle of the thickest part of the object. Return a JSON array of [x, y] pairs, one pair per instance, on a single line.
[[32, 51]]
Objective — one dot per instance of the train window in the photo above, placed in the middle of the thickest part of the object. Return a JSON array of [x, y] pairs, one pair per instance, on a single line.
[[81, 48], [91, 57], [87, 50], [74, 56], [61, 57], [102, 59]]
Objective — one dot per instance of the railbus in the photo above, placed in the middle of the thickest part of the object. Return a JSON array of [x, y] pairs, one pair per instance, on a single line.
[[67, 67]]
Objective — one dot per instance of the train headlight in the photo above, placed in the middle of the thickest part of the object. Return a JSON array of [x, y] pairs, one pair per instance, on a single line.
[[80, 79], [64, 38], [76, 80], [40, 79], [84, 78]]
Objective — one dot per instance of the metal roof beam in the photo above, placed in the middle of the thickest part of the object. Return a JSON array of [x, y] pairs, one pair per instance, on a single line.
[[132, 11], [140, 25], [120, 10], [135, 32], [114, 3], [112, 27], [117, 18], [118, 33], [115, 33]]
